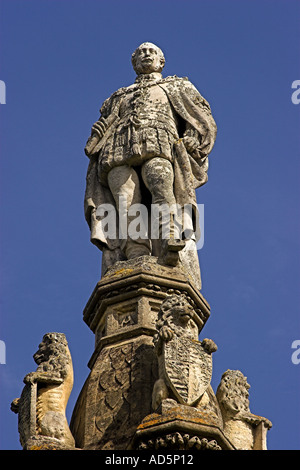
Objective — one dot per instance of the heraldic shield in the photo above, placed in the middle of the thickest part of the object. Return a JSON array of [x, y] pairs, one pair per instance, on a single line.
[[188, 369]]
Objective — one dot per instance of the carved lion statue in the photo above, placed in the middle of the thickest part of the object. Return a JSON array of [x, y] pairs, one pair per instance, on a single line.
[[176, 318], [232, 393], [245, 430], [54, 381]]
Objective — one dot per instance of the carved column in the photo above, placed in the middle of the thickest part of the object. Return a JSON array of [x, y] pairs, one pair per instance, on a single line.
[[149, 382], [122, 312]]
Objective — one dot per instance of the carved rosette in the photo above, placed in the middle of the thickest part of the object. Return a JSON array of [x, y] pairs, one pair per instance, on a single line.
[[178, 441]]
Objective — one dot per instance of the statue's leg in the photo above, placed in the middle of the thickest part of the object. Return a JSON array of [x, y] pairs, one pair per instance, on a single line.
[[158, 176], [124, 185]]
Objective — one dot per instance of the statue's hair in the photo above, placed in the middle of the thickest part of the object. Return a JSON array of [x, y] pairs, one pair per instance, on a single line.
[[166, 308], [57, 356], [235, 377], [160, 53], [233, 383]]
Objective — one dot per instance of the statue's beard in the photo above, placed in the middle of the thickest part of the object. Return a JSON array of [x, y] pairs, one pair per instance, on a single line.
[[147, 68]]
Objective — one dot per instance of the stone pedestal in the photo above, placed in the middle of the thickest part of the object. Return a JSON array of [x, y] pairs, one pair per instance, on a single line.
[[149, 382], [179, 427], [126, 300], [122, 312]]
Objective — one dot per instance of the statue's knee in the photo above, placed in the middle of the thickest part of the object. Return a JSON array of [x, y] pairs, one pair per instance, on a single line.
[[158, 166], [120, 174], [123, 181], [158, 176]]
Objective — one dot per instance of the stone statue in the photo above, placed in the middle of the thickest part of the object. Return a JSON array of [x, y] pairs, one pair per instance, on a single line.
[[244, 429], [184, 363], [42, 406], [149, 147]]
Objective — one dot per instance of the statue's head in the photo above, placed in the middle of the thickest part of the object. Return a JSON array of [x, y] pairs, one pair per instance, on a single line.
[[177, 313], [232, 392], [147, 58], [53, 352]]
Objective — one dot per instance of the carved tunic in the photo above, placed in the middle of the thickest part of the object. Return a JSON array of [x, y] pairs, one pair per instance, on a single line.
[[146, 120]]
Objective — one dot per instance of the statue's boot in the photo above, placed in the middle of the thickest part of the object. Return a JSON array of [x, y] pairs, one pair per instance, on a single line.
[[136, 248]]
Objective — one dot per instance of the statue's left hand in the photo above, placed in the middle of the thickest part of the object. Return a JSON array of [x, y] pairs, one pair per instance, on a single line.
[[190, 143]]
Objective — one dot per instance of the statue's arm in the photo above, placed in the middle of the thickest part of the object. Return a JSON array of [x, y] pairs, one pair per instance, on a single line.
[[164, 335], [43, 377], [109, 112], [100, 127], [255, 420], [196, 96], [192, 138]]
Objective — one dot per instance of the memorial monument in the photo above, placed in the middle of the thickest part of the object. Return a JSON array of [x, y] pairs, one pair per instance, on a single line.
[[149, 385]]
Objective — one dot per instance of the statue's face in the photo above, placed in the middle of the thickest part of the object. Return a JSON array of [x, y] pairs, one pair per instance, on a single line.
[[183, 318], [148, 59], [235, 393], [41, 354]]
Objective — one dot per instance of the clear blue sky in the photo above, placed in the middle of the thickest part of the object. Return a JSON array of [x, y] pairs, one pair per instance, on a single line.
[[59, 60]]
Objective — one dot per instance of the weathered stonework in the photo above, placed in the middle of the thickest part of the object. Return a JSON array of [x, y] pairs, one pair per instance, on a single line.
[[149, 386], [161, 396], [200, 428], [185, 364], [178, 441], [149, 147], [123, 312], [127, 299], [244, 429], [41, 408], [116, 396]]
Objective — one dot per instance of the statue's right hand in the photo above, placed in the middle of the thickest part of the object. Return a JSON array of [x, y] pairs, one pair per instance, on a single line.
[[97, 132], [99, 128]]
